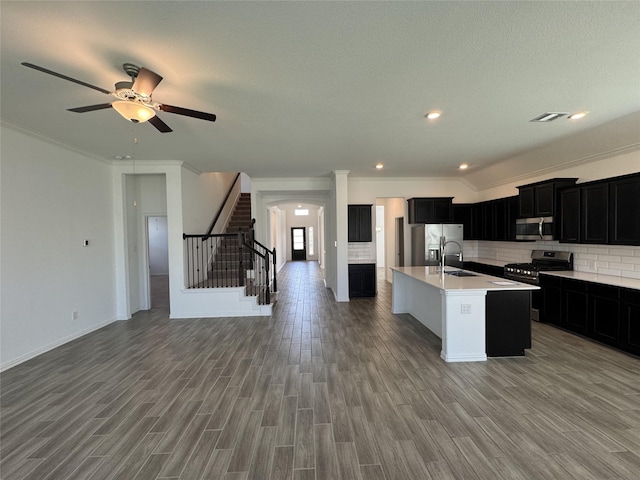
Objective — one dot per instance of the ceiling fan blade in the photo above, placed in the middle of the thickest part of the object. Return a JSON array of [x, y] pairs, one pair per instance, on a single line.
[[146, 82], [64, 77], [159, 124], [188, 113], [90, 108]]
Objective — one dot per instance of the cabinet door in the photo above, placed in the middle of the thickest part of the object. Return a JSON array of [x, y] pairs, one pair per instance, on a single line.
[[575, 306], [551, 308], [570, 215], [526, 202], [487, 226], [594, 203], [604, 318], [624, 211], [368, 280], [544, 200], [355, 280], [630, 321], [359, 223], [512, 214], [500, 219], [420, 210], [462, 213], [442, 210]]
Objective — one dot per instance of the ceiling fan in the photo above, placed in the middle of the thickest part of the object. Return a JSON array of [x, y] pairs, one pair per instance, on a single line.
[[133, 97]]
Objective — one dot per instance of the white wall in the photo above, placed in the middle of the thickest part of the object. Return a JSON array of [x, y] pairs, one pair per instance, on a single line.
[[52, 199], [202, 195]]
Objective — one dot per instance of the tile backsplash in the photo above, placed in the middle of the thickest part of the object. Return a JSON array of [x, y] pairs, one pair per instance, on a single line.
[[359, 251], [616, 260]]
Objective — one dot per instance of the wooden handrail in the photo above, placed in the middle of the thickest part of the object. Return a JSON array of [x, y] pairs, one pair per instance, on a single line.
[[215, 219]]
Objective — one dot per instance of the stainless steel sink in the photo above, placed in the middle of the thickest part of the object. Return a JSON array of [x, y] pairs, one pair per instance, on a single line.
[[460, 273]]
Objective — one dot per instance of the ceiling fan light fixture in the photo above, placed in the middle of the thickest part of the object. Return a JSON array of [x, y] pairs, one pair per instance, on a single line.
[[133, 111]]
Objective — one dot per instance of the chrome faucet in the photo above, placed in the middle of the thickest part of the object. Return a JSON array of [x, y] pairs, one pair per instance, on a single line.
[[443, 244]]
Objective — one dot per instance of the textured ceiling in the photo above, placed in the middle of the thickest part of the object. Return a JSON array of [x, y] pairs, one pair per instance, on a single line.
[[304, 88]]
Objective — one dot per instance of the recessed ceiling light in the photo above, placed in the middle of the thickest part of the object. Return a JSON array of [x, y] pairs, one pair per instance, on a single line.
[[577, 115], [549, 116], [433, 115], [122, 157], [299, 206], [463, 166], [379, 166]]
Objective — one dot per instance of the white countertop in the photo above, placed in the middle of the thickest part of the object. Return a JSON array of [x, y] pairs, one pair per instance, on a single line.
[[487, 261], [449, 283], [596, 278]]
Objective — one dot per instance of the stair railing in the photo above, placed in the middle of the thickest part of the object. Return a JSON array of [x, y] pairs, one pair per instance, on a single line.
[[265, 251], [215, 260], [230, 260]]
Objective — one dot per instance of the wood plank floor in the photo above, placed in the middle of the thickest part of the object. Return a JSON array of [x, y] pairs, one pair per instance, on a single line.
[[321, 390]]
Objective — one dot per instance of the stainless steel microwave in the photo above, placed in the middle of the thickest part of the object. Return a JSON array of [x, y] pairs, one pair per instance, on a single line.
[[537, 228]]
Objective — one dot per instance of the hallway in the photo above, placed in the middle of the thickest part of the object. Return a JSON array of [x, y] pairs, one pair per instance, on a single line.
[[321, 390]]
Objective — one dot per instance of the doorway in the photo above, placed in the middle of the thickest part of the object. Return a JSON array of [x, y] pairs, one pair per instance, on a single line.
[[158, 254], [298, 244]]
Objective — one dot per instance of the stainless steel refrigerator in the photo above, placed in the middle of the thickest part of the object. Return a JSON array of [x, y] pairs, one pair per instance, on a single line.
[[425, 244]]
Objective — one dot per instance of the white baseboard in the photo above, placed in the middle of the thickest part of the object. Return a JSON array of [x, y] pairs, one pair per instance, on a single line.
[[51, 346]]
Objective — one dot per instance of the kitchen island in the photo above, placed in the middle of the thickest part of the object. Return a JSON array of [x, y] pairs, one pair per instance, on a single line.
[[475, 315]]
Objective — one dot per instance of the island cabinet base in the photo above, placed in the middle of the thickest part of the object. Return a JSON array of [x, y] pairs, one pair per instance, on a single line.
[[508, 323]]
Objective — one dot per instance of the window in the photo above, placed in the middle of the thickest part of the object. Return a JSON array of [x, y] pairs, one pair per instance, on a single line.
[[310, 241], [301, 212]]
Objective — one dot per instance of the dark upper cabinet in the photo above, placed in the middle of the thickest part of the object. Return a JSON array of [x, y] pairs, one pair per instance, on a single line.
[[601, 212], [594, 202], [463, 214], [430, 210], [570, 215], [624, 210], [360, 224], [505, 212], [539, 199]]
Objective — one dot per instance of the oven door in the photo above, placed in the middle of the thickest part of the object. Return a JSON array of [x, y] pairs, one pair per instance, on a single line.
[[539, 228], [536, 295]]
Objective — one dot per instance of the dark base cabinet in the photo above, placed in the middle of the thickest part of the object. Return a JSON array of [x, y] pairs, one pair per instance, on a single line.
[[605, 313], [508, 327], [630, 320], [362, 280]]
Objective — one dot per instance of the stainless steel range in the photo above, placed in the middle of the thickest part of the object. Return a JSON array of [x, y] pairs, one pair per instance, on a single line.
[[541, 261]]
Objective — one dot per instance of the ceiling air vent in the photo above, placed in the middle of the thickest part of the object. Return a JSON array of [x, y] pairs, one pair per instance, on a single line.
[[549, 116]]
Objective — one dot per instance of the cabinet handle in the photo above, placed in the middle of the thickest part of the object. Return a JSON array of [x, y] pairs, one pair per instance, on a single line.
[[540, 228]]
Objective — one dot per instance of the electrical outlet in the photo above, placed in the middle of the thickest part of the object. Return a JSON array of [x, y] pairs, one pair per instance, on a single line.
[[74, 315], [465, 309]]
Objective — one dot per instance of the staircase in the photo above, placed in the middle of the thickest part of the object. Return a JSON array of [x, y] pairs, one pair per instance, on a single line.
[[224, 269]]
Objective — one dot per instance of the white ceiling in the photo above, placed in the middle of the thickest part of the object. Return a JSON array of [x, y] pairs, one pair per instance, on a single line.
[[305, 88]]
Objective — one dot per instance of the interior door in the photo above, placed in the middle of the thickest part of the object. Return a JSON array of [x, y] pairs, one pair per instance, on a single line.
[[298, 244]]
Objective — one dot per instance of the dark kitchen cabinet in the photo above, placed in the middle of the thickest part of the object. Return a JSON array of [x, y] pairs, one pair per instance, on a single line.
[[604, 318], [605, 313], [360, 225], [485, 269], [630, 320], [463, 214], [624, 210], [362, 280], [504, 335], [430, 210], [551, 301], [570, 215], [575, 305], [601, 212], [505, 212], [594, 202], [539, 199]]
